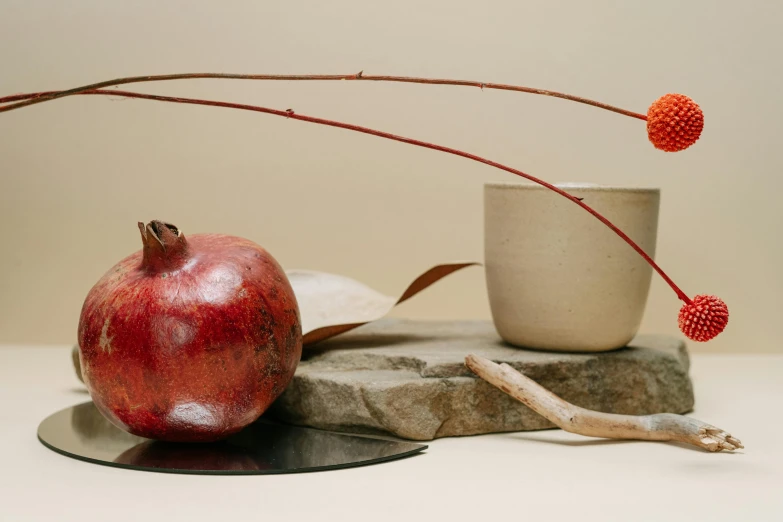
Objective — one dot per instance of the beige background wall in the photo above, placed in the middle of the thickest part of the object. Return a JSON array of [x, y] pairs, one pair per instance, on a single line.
[[77, 174]]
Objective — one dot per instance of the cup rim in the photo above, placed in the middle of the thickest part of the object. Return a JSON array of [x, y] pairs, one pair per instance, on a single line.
[[568, 185]]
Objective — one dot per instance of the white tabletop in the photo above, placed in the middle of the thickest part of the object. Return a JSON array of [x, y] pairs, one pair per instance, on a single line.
[[544, 475]]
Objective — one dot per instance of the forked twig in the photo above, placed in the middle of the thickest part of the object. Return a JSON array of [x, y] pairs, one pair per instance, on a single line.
[[571, 418]]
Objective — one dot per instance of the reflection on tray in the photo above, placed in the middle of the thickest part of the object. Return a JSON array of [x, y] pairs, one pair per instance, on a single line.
[[263, 447], [215, 456]]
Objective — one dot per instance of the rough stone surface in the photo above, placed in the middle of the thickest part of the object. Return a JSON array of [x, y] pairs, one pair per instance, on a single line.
[[408, 379]]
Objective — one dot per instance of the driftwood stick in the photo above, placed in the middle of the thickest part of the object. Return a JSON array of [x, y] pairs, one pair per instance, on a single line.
[[571, 418]]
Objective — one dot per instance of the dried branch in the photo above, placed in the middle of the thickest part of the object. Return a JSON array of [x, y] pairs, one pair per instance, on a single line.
[[25, 100], [290, 114], [571, 418]]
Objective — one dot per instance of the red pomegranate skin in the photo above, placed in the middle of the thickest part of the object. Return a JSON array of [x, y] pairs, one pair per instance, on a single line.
[[189, 340]]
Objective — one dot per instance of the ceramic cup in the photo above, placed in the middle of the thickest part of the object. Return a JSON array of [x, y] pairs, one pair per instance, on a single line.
[[559, 279]]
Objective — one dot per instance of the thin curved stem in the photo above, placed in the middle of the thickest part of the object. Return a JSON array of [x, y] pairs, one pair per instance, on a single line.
[[320, 77], [290, 114]]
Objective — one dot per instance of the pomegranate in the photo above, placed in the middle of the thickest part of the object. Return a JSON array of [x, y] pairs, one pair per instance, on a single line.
[[189, 340]]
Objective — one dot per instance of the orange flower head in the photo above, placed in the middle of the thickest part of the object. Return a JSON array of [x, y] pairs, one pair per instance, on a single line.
[[704, 318], [674, 122]]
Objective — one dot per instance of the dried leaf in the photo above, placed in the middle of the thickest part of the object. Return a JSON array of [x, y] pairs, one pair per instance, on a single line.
[[332, 304]]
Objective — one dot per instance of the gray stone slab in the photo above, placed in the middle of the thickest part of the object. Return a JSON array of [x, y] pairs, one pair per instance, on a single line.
[[408, 379]]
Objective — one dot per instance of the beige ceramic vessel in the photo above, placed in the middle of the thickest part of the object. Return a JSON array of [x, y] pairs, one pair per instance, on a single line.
[[559, 279]]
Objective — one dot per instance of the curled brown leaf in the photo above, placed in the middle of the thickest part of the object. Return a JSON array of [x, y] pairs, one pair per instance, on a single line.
[[331, 304]]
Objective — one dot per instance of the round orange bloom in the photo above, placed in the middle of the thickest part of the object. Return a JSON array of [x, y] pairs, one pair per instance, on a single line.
[[674, 122], [704, 318]]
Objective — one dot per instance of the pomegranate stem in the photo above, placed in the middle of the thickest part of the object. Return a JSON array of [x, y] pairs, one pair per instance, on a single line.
[[289, 114], [296, 77]]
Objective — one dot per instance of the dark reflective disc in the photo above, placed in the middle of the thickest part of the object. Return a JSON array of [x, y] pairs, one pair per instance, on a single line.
[[264, 447]]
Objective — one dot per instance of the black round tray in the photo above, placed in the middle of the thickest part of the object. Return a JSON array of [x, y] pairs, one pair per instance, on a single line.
[[265, 447]]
